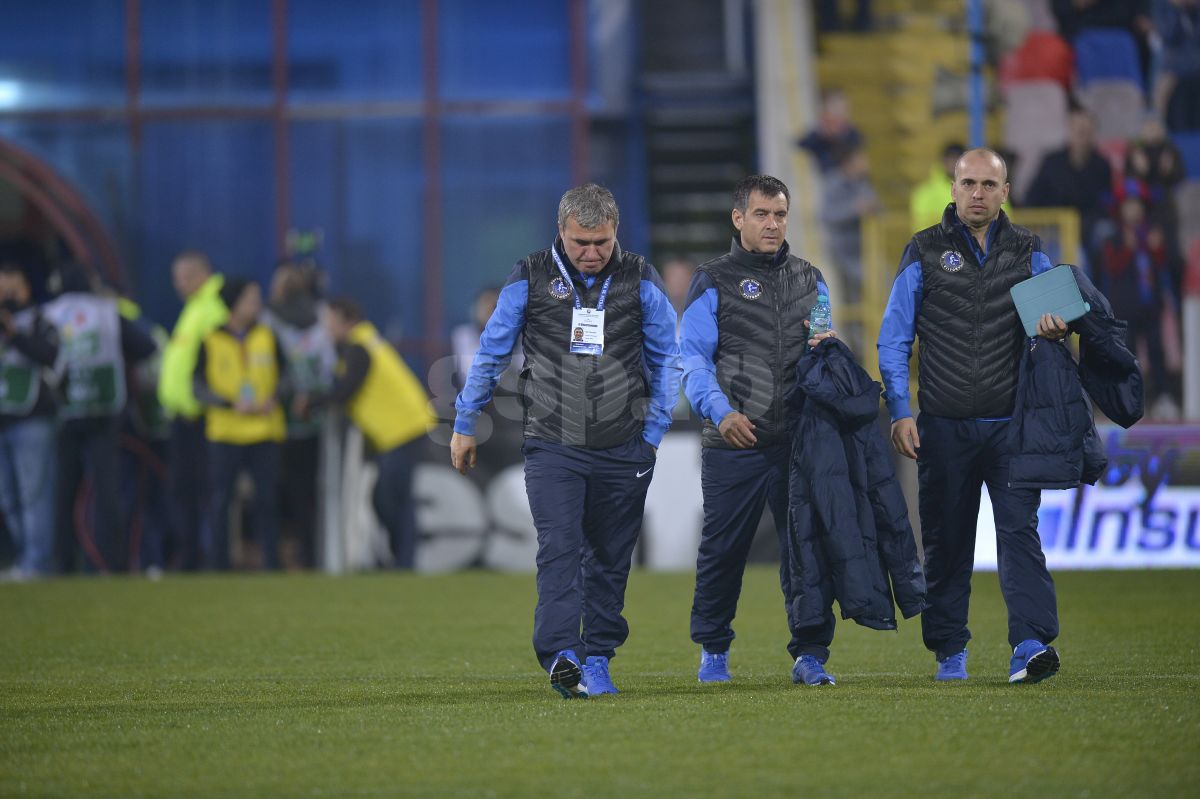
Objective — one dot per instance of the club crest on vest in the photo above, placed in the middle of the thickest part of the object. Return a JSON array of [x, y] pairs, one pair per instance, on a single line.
[[559, 290], [751, 288], [952, 261]]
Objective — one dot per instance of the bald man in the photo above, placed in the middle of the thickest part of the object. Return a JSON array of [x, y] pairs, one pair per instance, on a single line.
[[952, 292]]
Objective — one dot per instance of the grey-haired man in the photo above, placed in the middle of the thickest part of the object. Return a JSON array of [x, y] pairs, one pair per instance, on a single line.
[[600, 380]]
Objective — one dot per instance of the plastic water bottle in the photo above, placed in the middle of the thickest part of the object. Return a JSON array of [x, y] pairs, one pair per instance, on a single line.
[[820, 320]]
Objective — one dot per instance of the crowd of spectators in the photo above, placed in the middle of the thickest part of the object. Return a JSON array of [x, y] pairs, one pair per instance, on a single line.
[[1129, 157]]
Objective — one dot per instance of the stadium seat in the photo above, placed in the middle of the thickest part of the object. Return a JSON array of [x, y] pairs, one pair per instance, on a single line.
[[1106, 53], [1189, 146], [1035, 123], [1117, 105], [1043, 56]]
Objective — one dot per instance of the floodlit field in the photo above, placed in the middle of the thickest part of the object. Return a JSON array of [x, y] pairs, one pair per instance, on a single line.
[[425, 686]]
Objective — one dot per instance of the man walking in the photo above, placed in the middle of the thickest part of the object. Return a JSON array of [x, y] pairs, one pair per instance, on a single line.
[[744, 328], [952, 291], [600, 380]]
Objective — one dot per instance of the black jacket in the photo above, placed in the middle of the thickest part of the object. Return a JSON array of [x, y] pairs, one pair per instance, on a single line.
[[1052, 432], [969, 336], [585, 402], [762, 302], [848, 533]]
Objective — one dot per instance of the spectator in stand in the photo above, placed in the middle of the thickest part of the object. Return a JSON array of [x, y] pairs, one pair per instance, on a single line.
[[1133, 16], [1156, 163], [834, 130], [1135, 276], [28, 347], [294, 317], [1077, 176], [929, 199], [96, 347], [239, 380], [849, 197], [1177, 93]]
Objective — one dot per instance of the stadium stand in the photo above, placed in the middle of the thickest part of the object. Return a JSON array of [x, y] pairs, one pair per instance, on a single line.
[[1117, 105], [1035, 124], [1106, 54]]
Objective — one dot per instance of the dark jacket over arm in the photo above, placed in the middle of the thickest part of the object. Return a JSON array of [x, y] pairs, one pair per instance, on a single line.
[[1052, 432], [848, 533]]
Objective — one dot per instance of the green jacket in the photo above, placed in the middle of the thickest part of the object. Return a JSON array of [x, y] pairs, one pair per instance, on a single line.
[[929, 199], [202, 313]]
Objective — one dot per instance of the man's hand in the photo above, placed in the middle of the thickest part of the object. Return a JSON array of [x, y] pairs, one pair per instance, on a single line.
[[462, 452], [817, 339], [905, 438], [1051, 327], [246, 407], [737, 430], [7, 327]]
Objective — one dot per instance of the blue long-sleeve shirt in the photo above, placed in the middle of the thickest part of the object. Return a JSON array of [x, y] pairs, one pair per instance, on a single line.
[[660, 352], [899, 327], [698, 338]]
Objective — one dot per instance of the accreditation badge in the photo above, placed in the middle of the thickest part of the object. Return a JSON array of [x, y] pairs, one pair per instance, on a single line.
[[587, 331]]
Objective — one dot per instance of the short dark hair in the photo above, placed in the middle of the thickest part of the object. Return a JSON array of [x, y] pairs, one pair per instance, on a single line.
[[765, 185], [232, 290], [346, 308]]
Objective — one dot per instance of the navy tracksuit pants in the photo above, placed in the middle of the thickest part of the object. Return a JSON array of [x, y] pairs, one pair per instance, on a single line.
[[737, 483], [956, 458], [587, 506]]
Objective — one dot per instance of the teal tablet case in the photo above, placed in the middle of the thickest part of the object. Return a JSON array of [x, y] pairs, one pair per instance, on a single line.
[[1054, 291]]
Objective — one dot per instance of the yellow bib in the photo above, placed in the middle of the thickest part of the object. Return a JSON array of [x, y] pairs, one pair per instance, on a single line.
[[391, 407], [235, 369]]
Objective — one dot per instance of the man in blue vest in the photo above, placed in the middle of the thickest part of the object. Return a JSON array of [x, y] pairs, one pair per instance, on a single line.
[[601, 377], [952, 292], [744, 327]]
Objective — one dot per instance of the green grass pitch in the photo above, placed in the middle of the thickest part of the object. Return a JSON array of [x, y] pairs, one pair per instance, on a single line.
[[387, 685]]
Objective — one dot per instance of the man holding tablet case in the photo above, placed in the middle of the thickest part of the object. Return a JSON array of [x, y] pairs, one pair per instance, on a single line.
[[952, 292]]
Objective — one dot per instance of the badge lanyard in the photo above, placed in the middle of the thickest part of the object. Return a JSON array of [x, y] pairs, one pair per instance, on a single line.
[[587, 324]]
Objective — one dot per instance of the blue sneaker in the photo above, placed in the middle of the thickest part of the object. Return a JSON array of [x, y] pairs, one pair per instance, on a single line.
[[1032, 661], [810, 671], [953, 667], [566, 677], [714, 666], [595, 676]]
